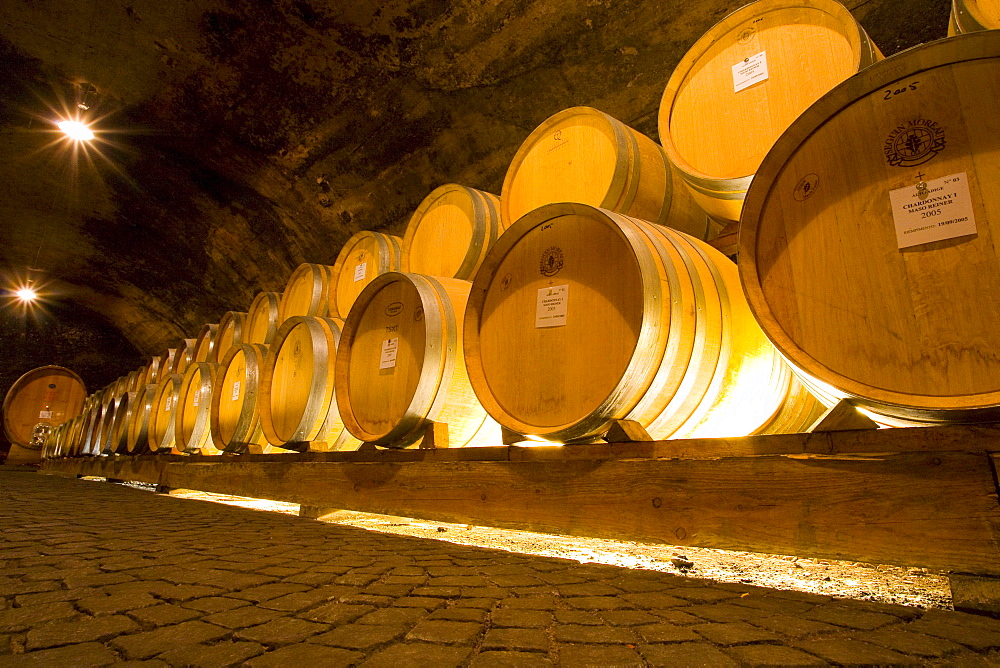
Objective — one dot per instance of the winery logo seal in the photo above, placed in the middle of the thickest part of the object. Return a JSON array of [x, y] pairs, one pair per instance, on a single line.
[[552, 261], [394, 309], [914, 143], [806, 188], [418, 314], [746, 35]]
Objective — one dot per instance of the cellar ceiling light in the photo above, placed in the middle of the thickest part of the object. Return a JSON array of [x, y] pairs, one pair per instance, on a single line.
[[76, 130], [26, 294]]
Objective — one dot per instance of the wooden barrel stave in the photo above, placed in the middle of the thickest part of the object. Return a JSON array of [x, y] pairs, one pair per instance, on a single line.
[[230, 333], [364, 256], [161, 433], [263, 318], [192, 432]]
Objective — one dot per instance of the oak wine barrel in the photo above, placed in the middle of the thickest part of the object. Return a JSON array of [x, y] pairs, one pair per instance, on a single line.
[[234, 419], [46, 395], [364, 256], [192, 431], [182, 358], [400, 364], [118, 437], [140, 413], [161, 434], [743, 82], [263, 318], [230, 333], [586, 156], [973, 15], [204, 346], [867, 251], [296, 399], [152, 373], [450, 232], [307, 291], [582, 316]]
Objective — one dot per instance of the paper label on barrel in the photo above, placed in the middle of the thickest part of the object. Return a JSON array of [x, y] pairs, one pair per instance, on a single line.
[[388, 358], [196, 399], [360, 271], [550, 310], [236, 391], [749, 71], [44, 415], [169, 404], [933, 211]]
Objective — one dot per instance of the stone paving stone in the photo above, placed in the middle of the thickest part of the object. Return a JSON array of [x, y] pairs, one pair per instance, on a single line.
[[151, 643], [222, 654], [853, 652], [80, 631], [164, 615], [599, 603], [585, 656], [16, 588], [308, 578], [27, 600], [530, 603], [794, 627], [186, 592], [268, 591], [418, 655], [241, 618], [653, 600], [578, 617], [686, 655], [96, 580], [676, 616], [526, 619], [516, 639], [457, 614], [724, 612], [733, 633], [298, 600], [307, 655], [212, 604], [438, 592], [515, 581], [281, 631], [336, 613], [388, 590], [21, 619], [910, 643], [773, 655], [968, 634], [588, 589], [628, 617], [656, 633], [509, 660], [112, 605], [850, 617], [418, 602], [594, 634], [360, 636], [485, 603], [78, 656], [357, 579], [773, 604], [404, 579], [446, 632], [484, 592]]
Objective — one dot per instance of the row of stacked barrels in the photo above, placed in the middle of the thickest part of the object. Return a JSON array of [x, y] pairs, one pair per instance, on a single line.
[[586, 293]]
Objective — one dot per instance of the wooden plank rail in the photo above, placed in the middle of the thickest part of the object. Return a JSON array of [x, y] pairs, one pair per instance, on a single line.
[[915, 497]]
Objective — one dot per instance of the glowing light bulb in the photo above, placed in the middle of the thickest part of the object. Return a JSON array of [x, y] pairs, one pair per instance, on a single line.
[[76, 130], [26, 294]]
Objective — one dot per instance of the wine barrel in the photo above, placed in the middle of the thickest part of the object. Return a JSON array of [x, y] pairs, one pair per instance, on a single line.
[[581, 316], [109, 406], [296, 400], [867, 249], [744, 82], [263, 318], [152, 374], [204, 346], [192, 431], [973, 15], [450, 232], [235, 417], [91, 435], [586, 156], [46, 395], [400, 364], [168, 360], [133, 379], [140, 411], [307, 291], [161, 434], [74, 445], [182, 358], [230, 333], [118, 438], [364, 256]]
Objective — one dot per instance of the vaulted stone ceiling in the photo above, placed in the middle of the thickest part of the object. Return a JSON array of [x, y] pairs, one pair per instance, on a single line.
[[239, 138]]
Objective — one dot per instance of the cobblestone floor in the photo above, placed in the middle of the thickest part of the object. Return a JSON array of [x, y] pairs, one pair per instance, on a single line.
[[95, 573]]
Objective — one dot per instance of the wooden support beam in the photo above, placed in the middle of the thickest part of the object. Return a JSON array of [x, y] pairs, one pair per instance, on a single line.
[[914, 497]]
